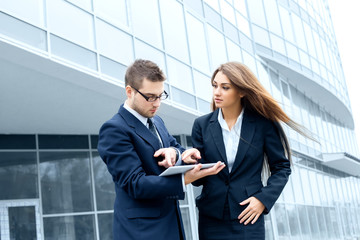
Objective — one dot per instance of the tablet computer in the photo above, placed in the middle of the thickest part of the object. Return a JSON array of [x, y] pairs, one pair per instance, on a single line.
[[183, 168]]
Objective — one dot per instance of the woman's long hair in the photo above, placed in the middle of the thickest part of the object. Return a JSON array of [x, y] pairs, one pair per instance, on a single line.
[[258, 99]]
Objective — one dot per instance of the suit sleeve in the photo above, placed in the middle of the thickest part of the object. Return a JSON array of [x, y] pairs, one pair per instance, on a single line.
[[198, 143], [279, 168], [117, 150]]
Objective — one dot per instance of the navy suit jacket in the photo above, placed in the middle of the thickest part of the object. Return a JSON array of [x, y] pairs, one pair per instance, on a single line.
[[146, 205], [259, 136]]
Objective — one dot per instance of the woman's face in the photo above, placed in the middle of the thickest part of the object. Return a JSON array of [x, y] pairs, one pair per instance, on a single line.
[[225, 95]]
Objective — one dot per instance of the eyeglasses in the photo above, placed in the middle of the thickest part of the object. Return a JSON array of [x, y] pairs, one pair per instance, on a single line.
[[162, 96]]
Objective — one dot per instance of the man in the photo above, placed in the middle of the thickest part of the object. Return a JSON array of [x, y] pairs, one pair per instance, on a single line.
[[136, 147]]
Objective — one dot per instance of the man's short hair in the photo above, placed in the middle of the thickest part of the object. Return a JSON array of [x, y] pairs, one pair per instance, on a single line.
[[141, 69]]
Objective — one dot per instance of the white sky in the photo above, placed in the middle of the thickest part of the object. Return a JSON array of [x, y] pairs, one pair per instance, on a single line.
[[345, 15]]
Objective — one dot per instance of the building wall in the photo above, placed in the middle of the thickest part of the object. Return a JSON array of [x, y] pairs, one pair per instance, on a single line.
[[290, 45]]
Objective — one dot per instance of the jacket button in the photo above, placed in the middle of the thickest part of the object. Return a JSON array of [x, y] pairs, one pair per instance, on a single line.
[[227, 182]]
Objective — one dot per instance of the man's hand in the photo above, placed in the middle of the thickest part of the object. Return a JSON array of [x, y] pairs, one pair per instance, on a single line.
[[190, 156], [252, 212], [197, 173], [169, 155]]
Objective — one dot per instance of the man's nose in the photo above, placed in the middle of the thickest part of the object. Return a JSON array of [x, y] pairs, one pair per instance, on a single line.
[[157, 102]]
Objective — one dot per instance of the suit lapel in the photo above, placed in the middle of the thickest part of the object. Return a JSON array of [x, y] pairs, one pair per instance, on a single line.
[[216, 132], [247, 134], [162, 132], [139, 128]]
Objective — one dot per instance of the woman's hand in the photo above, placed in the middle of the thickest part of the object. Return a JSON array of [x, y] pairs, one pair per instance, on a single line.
[[190, 156], [197, 173], [252, 212]]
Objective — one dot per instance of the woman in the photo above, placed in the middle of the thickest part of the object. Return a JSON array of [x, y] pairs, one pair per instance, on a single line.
[[244, 132]]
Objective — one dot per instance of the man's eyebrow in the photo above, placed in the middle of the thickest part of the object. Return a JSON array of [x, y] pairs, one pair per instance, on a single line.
[[153, 94]]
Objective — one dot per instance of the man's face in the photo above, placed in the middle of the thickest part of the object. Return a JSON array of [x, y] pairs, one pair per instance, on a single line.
[[137, 102]]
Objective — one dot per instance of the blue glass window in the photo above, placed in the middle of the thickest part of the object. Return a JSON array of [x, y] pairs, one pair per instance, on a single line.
[[145, 51], [172, 17], [272, 15], [14, 28], [113, 10], [256, 12], [63, 142], [65, 182], [197, 43], [203, 87], [18, 141], [73, 52], [18, 175], [217, 47], [146, 21], [61, 24], [31, 11], [114, 43], [179, 75]]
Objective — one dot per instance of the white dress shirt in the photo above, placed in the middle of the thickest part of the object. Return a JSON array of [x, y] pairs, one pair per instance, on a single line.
[[231, 137]]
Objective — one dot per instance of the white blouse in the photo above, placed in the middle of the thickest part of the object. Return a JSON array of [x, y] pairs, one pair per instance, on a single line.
[[231, 137]]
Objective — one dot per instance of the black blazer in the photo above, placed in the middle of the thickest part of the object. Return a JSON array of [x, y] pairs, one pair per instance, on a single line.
[[259, 136]]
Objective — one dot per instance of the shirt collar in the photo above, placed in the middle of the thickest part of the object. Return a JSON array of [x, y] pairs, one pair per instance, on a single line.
[[135, 113], [223, 124]]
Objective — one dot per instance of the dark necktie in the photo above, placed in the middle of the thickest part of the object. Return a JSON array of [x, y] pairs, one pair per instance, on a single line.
[[153, 130]]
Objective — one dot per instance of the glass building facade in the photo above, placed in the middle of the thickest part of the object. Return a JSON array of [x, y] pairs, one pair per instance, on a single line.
[[62, 65]]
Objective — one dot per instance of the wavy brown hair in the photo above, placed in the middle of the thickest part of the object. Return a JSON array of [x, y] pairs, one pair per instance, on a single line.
[[258, 99]]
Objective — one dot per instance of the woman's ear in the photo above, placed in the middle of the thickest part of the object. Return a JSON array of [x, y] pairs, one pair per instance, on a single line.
[[241, 95]]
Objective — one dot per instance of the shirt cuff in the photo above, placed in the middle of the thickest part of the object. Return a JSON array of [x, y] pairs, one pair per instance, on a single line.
[[178, 156], [178, 163], [183, 182]]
